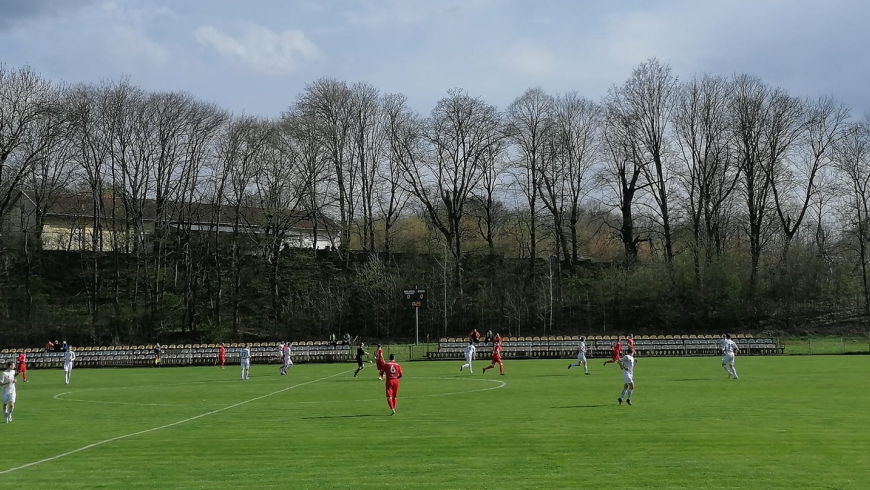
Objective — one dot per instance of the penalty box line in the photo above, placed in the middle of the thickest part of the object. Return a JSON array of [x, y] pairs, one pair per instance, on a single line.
[[173, 424]]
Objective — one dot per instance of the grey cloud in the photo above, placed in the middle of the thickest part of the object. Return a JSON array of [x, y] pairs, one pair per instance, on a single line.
[[14, 13]]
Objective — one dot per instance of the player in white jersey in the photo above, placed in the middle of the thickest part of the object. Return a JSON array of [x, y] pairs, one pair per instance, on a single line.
[[469, 356], [7, 381], [245, 357], [627, 363], [68, 357], [581, 356], [729, 347], [285, 356]]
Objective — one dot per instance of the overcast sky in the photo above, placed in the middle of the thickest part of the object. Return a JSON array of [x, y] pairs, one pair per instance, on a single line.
[[256, 56]]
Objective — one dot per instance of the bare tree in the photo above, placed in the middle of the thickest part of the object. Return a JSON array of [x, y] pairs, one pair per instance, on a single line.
[[27, 102], [368, 146], [529, 121], [577, 138], [624, 166], [443, 161], [392, 195], [702, 132], [853, 163], [814, 139], [328, 102], [486, 208], [645, 102]]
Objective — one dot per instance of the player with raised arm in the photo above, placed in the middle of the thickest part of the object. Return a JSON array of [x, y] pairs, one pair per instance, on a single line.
[[496, 359], [469, 356], [7, 381], [729, 348], [68, 357], [615, 353], [581, 356], [393, 373], [245, 358], [360, 353], [285, 356], [379, 361], [627, 363]]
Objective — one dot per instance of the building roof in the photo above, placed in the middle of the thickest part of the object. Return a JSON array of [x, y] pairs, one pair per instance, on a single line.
[[81, 205]]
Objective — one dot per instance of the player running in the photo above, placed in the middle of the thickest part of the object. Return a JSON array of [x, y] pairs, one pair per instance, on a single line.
[[581, 356], [627, 363], [7, 381], [496, 359], [285, 357], [222, 355], [469, 356], [68, 357], [379, 361], [729, 347], [22, 365], [631, 345], [360, 353], [615, 353], [393, 372]]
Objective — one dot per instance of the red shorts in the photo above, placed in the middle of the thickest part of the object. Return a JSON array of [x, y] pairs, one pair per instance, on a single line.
[[380, 363], [22, 368], [615, 357], [496, 359], [392, 388]]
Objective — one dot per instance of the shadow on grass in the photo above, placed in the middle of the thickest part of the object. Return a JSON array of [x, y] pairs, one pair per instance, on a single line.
[[345, 416]]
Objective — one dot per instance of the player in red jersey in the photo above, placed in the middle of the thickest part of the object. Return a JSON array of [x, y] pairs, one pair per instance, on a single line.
[[393, 373], [22, 366], [379, 360], [496, 359], [615, 353], [222, 355], [631, 345]]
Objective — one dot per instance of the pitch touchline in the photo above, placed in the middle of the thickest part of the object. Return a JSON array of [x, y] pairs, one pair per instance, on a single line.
[[113, 439]]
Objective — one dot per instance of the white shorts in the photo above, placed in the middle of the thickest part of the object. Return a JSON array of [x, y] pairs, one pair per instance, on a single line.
[[628, 377], [288, 362], [581, 357], [9, 398], [67, 367], [468, 360], [246, 364], [728, 358]]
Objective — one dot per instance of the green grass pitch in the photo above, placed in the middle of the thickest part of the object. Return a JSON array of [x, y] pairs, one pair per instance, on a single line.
[[788, 422]]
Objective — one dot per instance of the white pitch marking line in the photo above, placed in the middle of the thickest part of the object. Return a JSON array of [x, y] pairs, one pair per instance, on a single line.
[[125, 436], [57, 397]]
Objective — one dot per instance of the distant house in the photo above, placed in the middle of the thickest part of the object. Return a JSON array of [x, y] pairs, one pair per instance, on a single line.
[[67, 222]]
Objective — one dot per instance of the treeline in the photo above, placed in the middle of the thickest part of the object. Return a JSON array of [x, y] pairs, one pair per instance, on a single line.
[[693, 205]]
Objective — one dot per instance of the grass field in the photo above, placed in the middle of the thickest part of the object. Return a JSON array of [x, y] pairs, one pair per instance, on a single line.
[[788, 422]]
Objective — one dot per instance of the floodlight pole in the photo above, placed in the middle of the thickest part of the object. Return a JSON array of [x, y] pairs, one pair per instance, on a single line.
[[417, 321]]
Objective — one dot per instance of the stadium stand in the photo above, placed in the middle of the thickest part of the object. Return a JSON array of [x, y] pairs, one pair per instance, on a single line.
[[180, 355], [598, 346]]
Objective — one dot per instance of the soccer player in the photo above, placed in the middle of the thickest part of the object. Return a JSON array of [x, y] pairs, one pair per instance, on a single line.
[[157, 352], [729, 347], [469, 356], [360, 353], [68, 357], [631, 345], [393, 373], [581, 356], [7, 381], [496, 359], [615, 353], [22, 365], [627, 363], [379, 361], [245, 357], [285, 355], [222, 355]]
